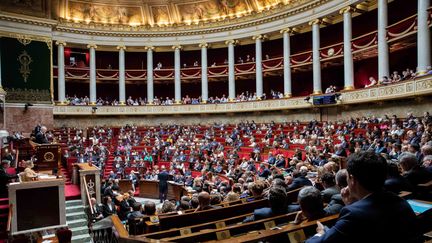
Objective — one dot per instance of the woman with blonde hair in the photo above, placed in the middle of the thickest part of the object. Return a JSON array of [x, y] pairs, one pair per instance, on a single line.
[[29, 174]]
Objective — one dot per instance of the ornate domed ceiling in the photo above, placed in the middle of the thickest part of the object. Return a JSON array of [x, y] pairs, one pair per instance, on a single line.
[[146, 12]]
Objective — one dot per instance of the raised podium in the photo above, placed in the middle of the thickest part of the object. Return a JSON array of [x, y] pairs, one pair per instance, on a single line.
[[48, 156]]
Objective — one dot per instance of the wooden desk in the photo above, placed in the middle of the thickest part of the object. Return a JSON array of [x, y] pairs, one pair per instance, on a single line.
[[150, 189]]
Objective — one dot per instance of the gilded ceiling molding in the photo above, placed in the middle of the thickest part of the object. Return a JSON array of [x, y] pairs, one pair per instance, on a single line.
[[26, 36], [183, 30], [29, 20], [149, 48]]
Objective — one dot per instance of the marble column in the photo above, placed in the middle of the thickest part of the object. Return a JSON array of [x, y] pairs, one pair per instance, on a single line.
[[177, 75], [423, 38], [383, 51], [348, 57], [204, 75], [287, 62], [61, 82], [150, 91], [92, 73], [316, 62], [258, 65], [231, 70], [122, 77]]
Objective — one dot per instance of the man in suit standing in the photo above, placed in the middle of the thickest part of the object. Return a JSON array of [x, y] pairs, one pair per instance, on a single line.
[[371, 214], [41, 136], [163, 178]]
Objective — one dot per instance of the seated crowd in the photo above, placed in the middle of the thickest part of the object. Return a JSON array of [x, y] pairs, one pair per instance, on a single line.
[[224, 163], [244, 96], [394, 78]]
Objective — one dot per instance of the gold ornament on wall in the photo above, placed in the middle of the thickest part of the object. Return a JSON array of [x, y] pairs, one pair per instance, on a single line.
[[25, 61]]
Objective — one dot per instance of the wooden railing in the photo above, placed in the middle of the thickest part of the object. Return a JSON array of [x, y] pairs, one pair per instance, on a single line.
[[88, 195], [9, 220]]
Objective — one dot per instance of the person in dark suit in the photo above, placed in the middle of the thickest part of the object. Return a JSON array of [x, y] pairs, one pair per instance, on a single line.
[[330, 188], [136, 213], [125, 208], [108, 207], [5, 178], [412, 171], [371, 214], [278, 205], [336, 203], [96, 215], [41, 136], [299, 179], [163, 178], [395, 182]]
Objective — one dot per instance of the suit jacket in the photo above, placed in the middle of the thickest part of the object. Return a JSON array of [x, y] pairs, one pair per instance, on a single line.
[[41, 138], [124, 210], [328, 193], [380, 217], [299, 182], [97, 211], [262, 213], [335, 205], [163, 178], [397, 184], [5, 178], [106, 211], [418, 175]]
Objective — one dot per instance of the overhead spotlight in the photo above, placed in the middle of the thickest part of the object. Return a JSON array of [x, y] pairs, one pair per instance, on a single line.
[[26, 106], [94, 108], [307, 99], [338, 96]]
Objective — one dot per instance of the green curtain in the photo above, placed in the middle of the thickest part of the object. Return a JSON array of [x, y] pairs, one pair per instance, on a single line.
[[25, 69]]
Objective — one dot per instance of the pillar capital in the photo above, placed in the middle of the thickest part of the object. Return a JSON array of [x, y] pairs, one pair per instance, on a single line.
[[204, 45], [149, 48], [175, 47], [92, 46], [259, 37], [347, 9], [289, 31], [61, 43], [233, 42], [315, 21], [121, 47]]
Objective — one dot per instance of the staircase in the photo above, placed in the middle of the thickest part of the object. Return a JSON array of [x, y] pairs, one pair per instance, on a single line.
[[77, 221]]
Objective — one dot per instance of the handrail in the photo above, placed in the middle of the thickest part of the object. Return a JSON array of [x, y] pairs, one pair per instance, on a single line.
[[88, 195], [9, 221]]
